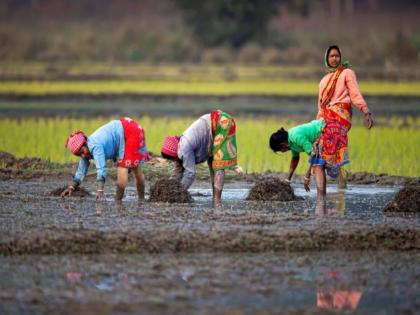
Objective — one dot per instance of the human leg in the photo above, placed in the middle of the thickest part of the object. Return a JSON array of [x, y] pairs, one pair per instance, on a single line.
[[321, 181], [342, 179], [122, 180], [219, 180], [138, 175]]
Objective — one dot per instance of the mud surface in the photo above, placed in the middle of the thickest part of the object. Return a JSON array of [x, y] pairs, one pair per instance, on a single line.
[[33, 222], [78, 192], [169, 190], [81, 256], [328, 282], [9, 161], [406, 200], [271, 188]]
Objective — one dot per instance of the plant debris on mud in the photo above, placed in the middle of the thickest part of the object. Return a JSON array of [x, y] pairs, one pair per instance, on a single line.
[[169, 190], [78, 192], [272, 189], [8, 160], [406, 200]]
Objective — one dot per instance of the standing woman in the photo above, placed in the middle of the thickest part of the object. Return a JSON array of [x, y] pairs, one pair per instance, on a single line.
[[122, 141], [338, 89], [211, 138]]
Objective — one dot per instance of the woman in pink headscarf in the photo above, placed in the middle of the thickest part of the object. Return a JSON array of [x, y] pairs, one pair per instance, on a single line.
[[338, 90], [122, 141], [210, 138]]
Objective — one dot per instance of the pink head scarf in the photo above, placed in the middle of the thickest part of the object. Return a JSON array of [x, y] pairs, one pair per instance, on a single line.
[[170, 146], [76, 141]]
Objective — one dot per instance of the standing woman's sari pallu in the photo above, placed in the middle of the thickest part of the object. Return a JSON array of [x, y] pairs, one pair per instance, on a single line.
[[331, 148], [224, 140]]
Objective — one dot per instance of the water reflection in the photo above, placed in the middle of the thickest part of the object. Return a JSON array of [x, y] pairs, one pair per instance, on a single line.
[[105, 283], [335, 203], [335, 294], [338, 299]]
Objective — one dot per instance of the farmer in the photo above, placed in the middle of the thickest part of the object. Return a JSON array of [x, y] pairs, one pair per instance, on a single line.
[[338, 89], [324, 140], [210, 138], [122, 141]]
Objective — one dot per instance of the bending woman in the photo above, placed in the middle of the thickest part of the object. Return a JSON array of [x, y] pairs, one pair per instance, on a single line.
[[210, 138], [338, 89], [323, 140], [122, 141]]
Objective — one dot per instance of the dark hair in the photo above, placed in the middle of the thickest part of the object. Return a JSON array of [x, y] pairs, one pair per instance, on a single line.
[[278, 138], [333, 47], [167, 156]]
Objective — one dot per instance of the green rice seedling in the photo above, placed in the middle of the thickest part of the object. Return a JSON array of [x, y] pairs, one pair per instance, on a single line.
[[390, 148]]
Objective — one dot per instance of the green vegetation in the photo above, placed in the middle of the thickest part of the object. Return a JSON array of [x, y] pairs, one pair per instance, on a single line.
[[392, 149], [273, 87]]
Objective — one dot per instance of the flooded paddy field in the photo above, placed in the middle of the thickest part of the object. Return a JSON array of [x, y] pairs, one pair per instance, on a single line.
[[81, 256], [328, 282]]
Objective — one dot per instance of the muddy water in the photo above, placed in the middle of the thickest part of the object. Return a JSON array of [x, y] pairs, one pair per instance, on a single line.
[[82, 256], [289, 283], [32, 221]]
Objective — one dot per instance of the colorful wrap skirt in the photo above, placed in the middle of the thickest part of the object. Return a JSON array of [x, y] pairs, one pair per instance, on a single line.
[[224, 140], [135, 150], [331, 148]]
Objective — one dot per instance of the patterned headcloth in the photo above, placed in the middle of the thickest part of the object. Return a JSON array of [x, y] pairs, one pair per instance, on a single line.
[[76, 141], [170, 146]]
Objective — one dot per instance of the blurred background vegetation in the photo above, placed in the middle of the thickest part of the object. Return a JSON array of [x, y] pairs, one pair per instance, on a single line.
[[377, 34]]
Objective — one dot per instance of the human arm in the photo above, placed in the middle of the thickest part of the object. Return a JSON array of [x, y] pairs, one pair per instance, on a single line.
[[188, 164], [98, 154], [307, 179], [294, 162], [357, 98], [80, 174]]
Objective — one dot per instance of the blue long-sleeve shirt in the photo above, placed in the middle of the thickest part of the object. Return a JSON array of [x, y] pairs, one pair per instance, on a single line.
[[106, 143]]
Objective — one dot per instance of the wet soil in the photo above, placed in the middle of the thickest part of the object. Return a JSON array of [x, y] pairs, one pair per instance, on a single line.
[[169, 190], [33, 222], [81, 256], [330, 282], [406, 200], [9, 161], [272, 188], [78, 192]]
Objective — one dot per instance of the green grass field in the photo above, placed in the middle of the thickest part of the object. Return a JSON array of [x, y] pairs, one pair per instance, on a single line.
[[201, 79], [246, 87], [393, 150]]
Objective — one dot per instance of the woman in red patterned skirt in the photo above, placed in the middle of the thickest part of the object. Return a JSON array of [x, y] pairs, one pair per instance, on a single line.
[[122, 141]]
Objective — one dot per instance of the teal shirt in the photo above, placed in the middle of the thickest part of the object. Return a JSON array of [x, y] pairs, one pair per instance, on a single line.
[[302, 137]]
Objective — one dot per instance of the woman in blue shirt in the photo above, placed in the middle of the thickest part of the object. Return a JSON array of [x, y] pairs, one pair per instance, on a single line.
[[122, 141]]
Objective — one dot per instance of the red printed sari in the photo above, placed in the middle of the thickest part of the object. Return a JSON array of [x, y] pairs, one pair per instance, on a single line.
[[331, 148]]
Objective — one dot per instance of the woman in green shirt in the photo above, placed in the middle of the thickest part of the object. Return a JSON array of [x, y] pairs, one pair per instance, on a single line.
[[324, 140]]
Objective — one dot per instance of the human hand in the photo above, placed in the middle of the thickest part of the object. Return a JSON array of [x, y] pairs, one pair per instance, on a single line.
[[100, 194], [306, 182], [369, 120], [68, 191]]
